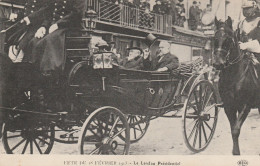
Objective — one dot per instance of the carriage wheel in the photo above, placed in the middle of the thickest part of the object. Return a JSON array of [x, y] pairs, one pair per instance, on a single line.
[[28, 140], [138, 126], [100, 134], [200, 116]]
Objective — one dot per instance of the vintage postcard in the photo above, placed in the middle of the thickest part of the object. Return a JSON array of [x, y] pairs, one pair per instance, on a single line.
[[140, 82]]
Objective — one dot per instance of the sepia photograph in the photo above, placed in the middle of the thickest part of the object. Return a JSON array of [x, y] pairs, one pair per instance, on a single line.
[[158, 82]]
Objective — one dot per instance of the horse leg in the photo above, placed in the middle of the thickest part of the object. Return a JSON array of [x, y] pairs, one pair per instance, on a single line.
[[232, 118], [242, 115]]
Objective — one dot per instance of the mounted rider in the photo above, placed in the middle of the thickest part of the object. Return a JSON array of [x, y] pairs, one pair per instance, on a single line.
[[249, 30]]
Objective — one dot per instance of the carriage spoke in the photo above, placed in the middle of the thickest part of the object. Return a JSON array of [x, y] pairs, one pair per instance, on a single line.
[[204, 97], [193, 106], [94, 133], [114, 125], [197, 102], [208, 100], [191, 123], [200, 95], [210, 107], [13, 136], [192, 131], [95, 150], [207, 125], [43, 141], [199, 135], [118, 133], [139, 126], [37, 146], [134, 129], [106, 129], [18, 144], [31, 147], [196, 135], [25, 146], [205, 134]]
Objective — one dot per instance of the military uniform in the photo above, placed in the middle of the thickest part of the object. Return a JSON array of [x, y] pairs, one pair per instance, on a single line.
[[48, 52], [36, 11], [249, 32]]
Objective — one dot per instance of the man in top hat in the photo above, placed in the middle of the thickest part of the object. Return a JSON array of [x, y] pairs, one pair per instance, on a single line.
[[249, 30], [164, 60]]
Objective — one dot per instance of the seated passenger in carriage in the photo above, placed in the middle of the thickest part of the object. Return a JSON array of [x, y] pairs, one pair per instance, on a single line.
[[48, 52], [134, 60], [164, 60]]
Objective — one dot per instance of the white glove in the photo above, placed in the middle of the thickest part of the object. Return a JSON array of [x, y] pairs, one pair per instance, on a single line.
[[146, 53], [162, 69], [26, 20], [243, 46], [253, 46], [13, 17], [53, 28], [40, 32]]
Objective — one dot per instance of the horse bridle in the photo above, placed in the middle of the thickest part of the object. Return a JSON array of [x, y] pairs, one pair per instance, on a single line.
[[228, 63]]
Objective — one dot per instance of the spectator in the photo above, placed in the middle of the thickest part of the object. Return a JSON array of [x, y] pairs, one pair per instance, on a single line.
[[180, 10], [145, 19], [194, 14], [158, 8], [131, 11], [171, 10], [207, 10]]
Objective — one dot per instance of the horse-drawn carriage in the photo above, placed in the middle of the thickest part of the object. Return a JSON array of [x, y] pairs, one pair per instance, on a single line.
[[104, 107]]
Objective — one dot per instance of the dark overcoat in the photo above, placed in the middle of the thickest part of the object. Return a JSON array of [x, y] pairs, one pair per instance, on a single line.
[[49, 52], [36, 11], [136, 63], [168, 60]]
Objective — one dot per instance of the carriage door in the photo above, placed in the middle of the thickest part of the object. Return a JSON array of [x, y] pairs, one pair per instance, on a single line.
[[161, 91]]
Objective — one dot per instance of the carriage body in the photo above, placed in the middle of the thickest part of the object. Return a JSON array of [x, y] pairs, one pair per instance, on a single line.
[[92, 87]]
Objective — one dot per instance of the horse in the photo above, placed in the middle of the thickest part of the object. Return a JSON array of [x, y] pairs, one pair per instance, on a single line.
[[239, 83]]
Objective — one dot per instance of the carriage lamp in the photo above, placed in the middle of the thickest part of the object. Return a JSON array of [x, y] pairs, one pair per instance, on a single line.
[[102, 61], [90, 20]]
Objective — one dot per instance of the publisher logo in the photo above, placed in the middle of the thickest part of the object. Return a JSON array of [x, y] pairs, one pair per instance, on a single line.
[[242, 163]]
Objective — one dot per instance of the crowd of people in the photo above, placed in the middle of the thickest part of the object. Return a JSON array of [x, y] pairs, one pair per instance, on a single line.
[[174, 8], [147, 13]]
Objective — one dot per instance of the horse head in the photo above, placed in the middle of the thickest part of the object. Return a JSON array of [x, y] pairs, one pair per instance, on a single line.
[[224, 43]]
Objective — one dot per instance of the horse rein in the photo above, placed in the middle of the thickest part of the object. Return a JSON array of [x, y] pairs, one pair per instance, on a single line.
[[227, 52]]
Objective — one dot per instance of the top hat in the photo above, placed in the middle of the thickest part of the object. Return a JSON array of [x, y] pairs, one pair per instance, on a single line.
[[150, 39]]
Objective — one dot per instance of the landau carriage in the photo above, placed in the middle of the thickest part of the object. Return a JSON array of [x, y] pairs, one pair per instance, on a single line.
[[107, 107]]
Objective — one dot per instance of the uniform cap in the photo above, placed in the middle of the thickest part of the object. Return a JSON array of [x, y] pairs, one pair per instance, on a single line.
[[248, 3]]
